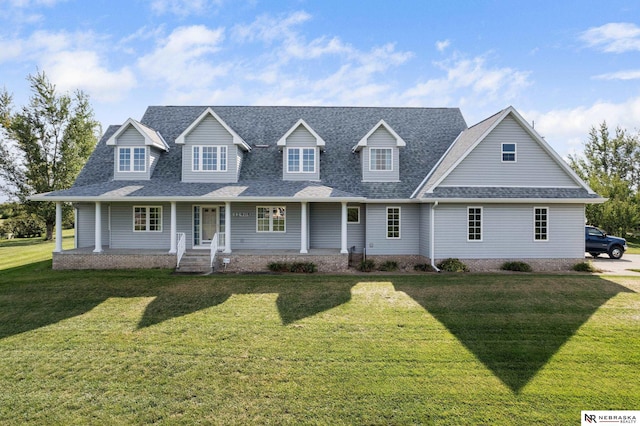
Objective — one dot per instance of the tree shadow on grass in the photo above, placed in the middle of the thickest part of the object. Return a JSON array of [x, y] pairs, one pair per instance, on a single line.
[[513, 326]]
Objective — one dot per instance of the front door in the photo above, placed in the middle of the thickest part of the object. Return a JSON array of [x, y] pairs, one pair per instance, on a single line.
[[209, 224]]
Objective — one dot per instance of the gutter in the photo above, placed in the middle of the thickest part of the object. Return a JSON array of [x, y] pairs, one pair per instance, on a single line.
[[432, 233]]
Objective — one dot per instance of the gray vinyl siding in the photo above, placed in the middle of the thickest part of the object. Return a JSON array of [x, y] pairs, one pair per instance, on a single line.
[[132, 138], [381, 138], [301, 138], [425, 230], [85, 225], [356, 232], [533, 166], [244, 235], [154, 157], [123, 236], [507, 232], [210, 132], [376, 226], [325, 225]]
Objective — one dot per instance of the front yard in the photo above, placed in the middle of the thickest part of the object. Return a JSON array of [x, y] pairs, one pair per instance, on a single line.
[[148, 346]]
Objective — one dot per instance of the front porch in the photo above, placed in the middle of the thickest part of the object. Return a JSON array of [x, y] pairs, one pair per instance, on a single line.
[[327, 260]]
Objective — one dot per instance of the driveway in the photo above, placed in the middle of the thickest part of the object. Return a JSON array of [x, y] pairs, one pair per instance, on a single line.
[[616, 267]]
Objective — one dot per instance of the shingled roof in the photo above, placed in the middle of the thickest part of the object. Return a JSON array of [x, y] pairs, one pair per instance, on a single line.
[[428, 133]]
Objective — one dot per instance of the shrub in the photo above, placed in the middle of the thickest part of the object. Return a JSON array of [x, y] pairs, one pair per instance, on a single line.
[[297, 267], [424, 267], [584, 267], [24, 226], [452, 265], [278, 267], [389, 266], [303, 267], [516, 266], [367, 265]]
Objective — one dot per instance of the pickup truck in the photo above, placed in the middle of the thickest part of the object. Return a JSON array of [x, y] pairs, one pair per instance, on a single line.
[[597, 241]]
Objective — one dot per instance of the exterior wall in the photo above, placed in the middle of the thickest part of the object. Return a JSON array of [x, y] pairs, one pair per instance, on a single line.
[[85, 225], [244, 235], [356, 232], [507, 232], [210, 132], [425, 230], [123, 236], [376, 226], [533, 166], [300, 138], [258, 262], [381, 138], [325, 225]]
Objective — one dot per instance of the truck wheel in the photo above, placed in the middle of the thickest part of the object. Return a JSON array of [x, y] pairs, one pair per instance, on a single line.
[[615, 252], [594, 255]]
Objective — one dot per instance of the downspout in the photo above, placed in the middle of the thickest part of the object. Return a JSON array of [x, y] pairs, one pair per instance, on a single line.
[[433, 236]]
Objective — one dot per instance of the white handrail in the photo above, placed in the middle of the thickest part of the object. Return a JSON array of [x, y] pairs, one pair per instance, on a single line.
[[214, 247], [182, 247]]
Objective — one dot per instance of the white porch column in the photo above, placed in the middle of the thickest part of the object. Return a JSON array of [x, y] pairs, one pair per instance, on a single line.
[[98, 228], [58, 248], [343, 245], [174, 229], [304, 239], [227, 227]]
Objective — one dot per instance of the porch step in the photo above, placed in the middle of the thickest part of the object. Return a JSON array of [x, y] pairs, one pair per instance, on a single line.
[[194, 263]]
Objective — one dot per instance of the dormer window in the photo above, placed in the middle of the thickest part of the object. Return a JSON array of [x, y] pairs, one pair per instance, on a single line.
[[381, 159], [209, 158], [132, 159], [301, 160]]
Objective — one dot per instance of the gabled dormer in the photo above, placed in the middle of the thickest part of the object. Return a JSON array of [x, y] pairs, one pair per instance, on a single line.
[[380, 154], [301, 147], [137, 149], [211, 150]]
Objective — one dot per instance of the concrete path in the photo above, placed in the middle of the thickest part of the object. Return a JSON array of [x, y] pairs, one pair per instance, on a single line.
[[617, 267]]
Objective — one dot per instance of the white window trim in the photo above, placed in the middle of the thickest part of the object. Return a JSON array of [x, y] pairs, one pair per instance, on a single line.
[[399, 223], [271, 219], [481, 224], [301, 157], [131, 159], [218, 149], [353, 207], [148, 218], [515, 152], [371, 149], [534, 224]]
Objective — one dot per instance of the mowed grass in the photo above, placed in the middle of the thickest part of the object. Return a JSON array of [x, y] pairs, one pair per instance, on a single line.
[[132, 347]]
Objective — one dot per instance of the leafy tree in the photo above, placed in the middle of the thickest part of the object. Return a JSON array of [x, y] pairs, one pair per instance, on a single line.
[[44, 145], [611, 166]]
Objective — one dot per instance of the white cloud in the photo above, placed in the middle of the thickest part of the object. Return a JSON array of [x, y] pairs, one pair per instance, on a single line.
[[620, 75], [267, 28], [184, 60], [182, 8], [616, 37], [567, 129], [442, 45], [469, 82]]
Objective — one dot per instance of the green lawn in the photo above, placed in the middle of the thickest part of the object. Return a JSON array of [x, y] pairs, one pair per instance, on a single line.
[[125, 347]]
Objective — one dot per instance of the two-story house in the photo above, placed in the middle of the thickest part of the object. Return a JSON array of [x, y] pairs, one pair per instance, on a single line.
[[262, 184]]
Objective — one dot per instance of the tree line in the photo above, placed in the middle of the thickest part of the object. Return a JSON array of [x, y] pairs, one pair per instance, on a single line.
[[45, 144]]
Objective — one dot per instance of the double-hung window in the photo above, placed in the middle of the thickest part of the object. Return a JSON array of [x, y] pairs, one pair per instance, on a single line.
[[301, 160], [393, 222], [209, 158], [540, 223], [474, 224], [147, 219], [132, 159], [508, 152], [271, 219], [380, 159]]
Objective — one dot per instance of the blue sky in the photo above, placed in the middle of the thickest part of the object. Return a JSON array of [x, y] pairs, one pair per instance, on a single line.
[[567, 65]]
